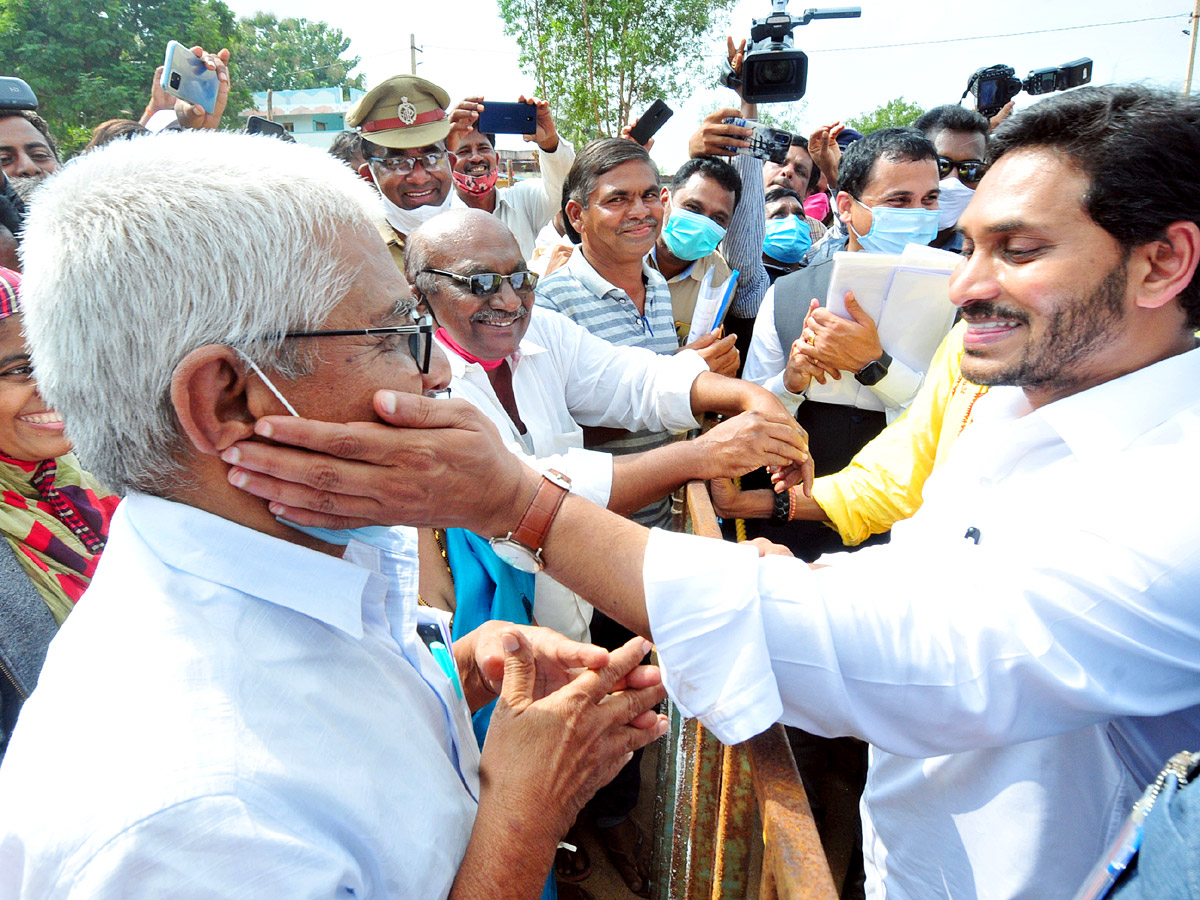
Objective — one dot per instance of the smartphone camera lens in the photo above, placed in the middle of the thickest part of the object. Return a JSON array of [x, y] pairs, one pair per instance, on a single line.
[[175, 80]]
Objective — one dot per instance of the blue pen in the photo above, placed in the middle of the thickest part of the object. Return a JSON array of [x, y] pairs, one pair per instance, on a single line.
[[445, 661]]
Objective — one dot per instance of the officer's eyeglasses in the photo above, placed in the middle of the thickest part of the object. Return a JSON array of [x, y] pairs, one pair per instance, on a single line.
[[403, 165]]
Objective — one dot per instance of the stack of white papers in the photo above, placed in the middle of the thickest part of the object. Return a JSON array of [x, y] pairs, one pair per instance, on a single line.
[[907, 294], [711, 304]]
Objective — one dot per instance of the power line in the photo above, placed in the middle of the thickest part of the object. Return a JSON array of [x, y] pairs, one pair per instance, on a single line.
[[984, 37], [980, 37]]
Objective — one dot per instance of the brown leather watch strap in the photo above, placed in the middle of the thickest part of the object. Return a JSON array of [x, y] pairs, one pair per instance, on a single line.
[[539, 514]]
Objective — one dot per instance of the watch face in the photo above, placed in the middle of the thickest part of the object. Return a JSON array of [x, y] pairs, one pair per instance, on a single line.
[[871, 374], [517, 555]]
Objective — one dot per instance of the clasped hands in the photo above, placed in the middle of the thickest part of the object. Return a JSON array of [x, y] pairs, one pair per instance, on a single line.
[[830, 344]]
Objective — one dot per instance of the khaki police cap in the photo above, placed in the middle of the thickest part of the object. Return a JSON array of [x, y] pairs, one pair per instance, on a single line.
[[403, 112]]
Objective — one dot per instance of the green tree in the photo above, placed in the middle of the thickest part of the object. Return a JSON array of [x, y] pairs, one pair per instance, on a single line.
[[89, 62], [893, 114], [788, 116], [290, 54], [598, 61]]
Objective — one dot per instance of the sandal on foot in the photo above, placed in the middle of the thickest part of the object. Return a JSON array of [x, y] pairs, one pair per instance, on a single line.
[[572, 866], [629, 850]]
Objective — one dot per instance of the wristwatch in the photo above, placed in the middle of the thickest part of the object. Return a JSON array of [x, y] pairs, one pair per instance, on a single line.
[[873, 372], [521, 548], [782, 508]]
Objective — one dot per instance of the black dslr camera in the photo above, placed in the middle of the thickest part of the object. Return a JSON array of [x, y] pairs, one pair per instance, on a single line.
[[996, 85], [773, 70]]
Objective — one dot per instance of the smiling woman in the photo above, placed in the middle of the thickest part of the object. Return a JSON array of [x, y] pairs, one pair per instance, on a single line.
[[53, 515]]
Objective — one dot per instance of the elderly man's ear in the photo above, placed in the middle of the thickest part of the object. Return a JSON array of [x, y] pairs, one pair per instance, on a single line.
[[422, 308], [218, 398]]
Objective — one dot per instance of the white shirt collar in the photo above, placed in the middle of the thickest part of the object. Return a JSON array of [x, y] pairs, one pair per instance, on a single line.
[[314, 584], [1107, 418], [459, 366]]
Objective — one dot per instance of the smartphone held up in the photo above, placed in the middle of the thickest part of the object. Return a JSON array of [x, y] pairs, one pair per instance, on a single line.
[[187, 77]]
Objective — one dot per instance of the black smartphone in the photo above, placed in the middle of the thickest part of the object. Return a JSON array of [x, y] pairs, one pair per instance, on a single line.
[[648, 123], [16, 94], [507, 118], [259, 125]]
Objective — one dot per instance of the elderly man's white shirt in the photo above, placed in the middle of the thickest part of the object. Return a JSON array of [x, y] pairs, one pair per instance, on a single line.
[[1018, 691], [231, 715], [565, 377]]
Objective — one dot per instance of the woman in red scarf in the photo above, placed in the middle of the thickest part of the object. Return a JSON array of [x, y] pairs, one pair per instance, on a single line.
[[53, 515]]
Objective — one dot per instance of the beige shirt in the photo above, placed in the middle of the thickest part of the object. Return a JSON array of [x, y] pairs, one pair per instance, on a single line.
[[685, 287]]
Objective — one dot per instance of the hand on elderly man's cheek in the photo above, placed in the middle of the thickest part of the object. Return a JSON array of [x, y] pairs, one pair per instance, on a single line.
[[442, 465]]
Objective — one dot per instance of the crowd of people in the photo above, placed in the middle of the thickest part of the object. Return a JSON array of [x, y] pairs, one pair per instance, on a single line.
[[351, 588]]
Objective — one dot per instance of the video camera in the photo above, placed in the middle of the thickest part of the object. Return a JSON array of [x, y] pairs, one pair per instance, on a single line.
[[996, 85], [773, 70]]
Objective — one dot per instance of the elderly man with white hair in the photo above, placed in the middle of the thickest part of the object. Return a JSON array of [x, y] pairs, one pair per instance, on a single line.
[[241, 707]]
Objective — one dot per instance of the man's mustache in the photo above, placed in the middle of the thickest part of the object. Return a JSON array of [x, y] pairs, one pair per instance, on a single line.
[[497, 315]]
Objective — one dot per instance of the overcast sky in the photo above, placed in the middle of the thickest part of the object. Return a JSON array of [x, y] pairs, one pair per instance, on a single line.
[[466, 52]]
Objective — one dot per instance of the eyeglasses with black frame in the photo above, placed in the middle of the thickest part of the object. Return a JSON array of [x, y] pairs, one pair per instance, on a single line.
[[404, 165], [484, 284], [970, 171], [420, 337]]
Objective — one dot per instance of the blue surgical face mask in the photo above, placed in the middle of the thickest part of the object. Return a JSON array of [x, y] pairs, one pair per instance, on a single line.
[[787, 239], [894, 229], [690, 235], [368, 534]]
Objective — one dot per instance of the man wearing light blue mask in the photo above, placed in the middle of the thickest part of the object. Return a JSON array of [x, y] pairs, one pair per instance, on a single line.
[[888, 198], [697, 212], [789, 232], [254, 659], [848, 390]]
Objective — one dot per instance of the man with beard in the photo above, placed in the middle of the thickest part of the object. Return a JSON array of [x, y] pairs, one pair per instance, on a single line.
[[525, 207], [1025, 653], [27, 151]]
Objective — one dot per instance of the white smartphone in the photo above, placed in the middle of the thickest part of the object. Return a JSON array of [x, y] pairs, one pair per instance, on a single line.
[[187, 77]]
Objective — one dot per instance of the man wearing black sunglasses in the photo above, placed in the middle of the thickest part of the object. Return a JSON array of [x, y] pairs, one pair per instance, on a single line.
[[537, 375], [960, 137]]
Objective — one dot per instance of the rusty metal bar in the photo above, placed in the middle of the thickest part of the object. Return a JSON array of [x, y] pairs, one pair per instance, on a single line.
[[706, 807], [793, 851], [707, 827], [736, 826]]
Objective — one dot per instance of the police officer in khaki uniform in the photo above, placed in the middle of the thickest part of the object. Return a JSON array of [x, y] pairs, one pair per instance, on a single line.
[[403, 123]]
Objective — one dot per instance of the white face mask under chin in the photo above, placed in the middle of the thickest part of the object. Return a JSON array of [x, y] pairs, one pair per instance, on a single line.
[[952, 201], [406, 221], [368, 534]]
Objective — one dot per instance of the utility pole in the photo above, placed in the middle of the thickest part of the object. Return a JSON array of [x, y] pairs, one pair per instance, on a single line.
[[1193, 22], [414, 49]]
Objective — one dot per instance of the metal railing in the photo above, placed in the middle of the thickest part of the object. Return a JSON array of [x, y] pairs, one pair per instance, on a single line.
[[732, 822]]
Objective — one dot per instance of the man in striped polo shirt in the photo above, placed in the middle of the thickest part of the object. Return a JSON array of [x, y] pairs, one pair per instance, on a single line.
[[615, 202]]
